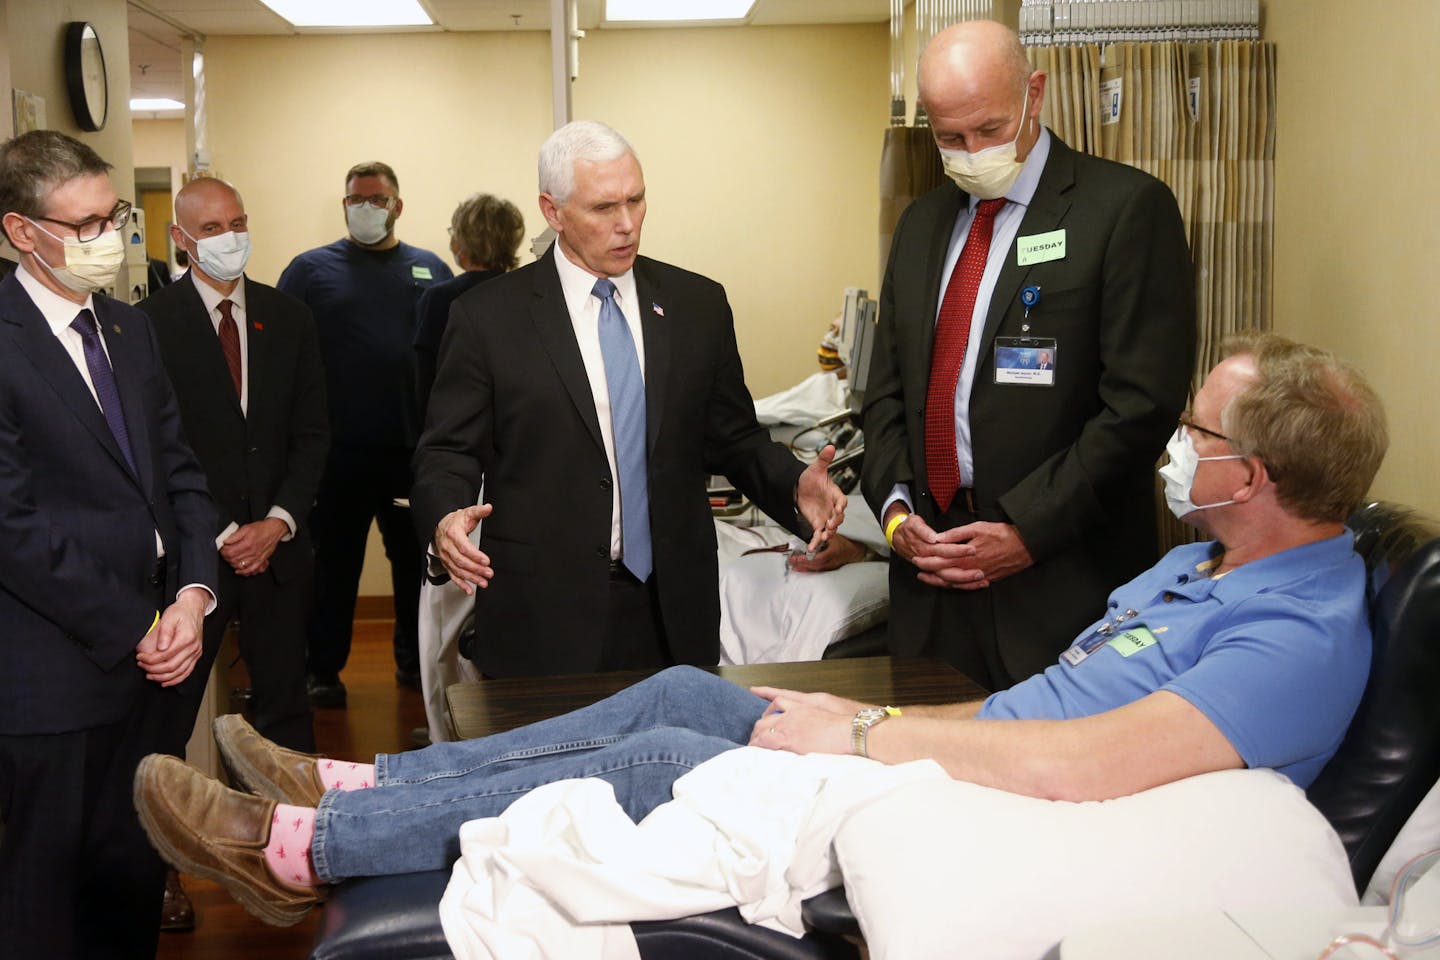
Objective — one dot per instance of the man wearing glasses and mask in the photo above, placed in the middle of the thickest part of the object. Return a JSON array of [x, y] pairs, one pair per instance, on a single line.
[[107, 564], [363, 290]]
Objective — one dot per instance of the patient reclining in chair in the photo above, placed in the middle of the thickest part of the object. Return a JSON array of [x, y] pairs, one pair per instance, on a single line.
[[1249, 650]]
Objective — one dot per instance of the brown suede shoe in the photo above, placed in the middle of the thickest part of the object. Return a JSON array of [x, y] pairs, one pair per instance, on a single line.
[[265, 769], [204, 828]]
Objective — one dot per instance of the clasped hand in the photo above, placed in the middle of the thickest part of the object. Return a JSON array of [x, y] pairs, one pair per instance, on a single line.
[[967, 557], [171, 648]]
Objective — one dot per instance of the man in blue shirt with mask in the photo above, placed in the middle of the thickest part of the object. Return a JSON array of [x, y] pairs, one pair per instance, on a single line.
[[1251, 650], [363, 290]]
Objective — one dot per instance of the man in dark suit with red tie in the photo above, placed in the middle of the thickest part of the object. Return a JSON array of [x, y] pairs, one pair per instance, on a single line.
[[1015, 502], [107, 564], [246, 367]]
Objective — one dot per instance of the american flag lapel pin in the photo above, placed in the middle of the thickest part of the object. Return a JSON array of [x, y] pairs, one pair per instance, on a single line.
[[659, 312], [257, 325]]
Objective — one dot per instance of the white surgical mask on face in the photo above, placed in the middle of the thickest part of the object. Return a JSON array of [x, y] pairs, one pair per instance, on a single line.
[[987, 173], [224, 255], [89, 265], [1179, 474], [367, 224]]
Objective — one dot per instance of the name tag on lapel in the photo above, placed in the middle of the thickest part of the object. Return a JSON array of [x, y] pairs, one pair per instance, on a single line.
[[1040, 247]]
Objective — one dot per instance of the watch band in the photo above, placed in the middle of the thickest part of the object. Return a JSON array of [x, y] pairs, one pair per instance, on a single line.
[[861, 724]]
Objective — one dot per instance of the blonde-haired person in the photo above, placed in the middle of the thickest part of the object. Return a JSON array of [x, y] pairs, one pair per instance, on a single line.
[[485, 236]]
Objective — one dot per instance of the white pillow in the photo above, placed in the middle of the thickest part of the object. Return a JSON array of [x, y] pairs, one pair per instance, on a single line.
[[950, 869]]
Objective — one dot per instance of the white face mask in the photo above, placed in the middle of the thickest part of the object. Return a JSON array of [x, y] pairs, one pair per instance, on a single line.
[[368, 224], [987, 173], [1179, 474], [89, 266], [224, 255]]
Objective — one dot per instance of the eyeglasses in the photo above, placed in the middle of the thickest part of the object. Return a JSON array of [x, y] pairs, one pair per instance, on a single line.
[[1413, 920], [88, 230], [1187, 420], [375, 200]]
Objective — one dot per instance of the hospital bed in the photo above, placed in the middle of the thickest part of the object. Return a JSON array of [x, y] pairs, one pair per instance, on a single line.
[[1381, 778]]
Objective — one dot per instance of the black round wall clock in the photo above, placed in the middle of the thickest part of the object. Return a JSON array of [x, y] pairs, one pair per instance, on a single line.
[[85, 76]]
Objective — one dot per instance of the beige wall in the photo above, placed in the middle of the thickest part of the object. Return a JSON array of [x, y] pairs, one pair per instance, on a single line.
[[1356, 230], [161, 143], [760, 149], [34, 39]]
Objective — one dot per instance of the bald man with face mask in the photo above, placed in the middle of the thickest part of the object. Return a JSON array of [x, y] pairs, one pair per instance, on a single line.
[[1015, 497]]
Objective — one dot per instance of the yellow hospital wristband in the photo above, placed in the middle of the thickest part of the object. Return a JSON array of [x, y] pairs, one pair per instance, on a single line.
[[894, 525]]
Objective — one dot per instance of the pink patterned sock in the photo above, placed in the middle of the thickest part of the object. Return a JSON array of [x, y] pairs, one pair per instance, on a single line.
[[344, 775], [288, 852]]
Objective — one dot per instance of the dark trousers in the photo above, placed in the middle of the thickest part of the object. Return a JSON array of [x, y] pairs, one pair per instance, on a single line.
[[634, 634], [78, 877], [957, 626], [273, 614], [361, 484]]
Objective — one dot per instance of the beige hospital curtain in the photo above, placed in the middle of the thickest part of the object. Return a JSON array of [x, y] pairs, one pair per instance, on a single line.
[[1201, 117]]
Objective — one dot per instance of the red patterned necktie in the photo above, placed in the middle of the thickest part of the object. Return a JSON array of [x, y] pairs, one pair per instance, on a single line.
[[230, 343], [952, 336]]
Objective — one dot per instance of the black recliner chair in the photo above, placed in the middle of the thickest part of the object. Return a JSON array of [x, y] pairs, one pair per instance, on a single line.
[[1389, 760]]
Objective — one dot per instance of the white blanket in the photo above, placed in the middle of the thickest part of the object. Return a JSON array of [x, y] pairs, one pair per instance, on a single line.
[[563, 870]]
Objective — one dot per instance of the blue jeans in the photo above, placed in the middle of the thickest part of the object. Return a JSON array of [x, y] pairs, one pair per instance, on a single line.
[[640, 741]]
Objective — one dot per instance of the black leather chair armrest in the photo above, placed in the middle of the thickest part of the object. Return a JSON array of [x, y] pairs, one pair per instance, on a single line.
[[830, 913]]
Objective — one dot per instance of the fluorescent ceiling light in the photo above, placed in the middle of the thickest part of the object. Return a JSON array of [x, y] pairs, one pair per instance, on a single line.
[[686, 10], [155, 103], [351, 13]]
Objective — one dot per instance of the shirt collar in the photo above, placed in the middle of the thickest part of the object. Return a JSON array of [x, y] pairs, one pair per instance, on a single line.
[[212, 297], [578, 284], [1022, 191], [1259, 576], [58, 312]]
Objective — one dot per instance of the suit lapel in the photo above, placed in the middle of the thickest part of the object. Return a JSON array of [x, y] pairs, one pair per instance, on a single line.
[[656, 317], [258, 353], [1046, 211], [32, 336], [939, 245], [556, 335]]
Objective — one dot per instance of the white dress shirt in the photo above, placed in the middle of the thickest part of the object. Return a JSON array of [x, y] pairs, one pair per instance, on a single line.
[[212, 298], [578, 286]]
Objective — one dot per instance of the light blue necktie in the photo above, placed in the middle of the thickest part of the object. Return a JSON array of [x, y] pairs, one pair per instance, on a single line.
[[627, 422]]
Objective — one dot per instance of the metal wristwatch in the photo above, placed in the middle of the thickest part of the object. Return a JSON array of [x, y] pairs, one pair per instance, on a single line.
[[864, 720]]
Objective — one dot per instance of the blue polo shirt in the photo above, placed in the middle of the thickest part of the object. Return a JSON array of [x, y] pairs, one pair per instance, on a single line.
[[1276, 653]]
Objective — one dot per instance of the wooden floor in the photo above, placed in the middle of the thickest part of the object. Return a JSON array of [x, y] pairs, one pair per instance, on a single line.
[[379, 719]]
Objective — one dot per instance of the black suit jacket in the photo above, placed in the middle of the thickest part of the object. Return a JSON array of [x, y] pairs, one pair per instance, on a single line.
[[77, 528], [1072, 465], [274, 455], [512, 406]]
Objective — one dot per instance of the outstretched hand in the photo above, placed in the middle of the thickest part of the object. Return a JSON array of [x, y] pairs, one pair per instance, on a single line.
[[819, 500], [467, 565]]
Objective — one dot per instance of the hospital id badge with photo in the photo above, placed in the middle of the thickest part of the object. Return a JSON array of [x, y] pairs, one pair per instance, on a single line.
[[1026, 361]]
